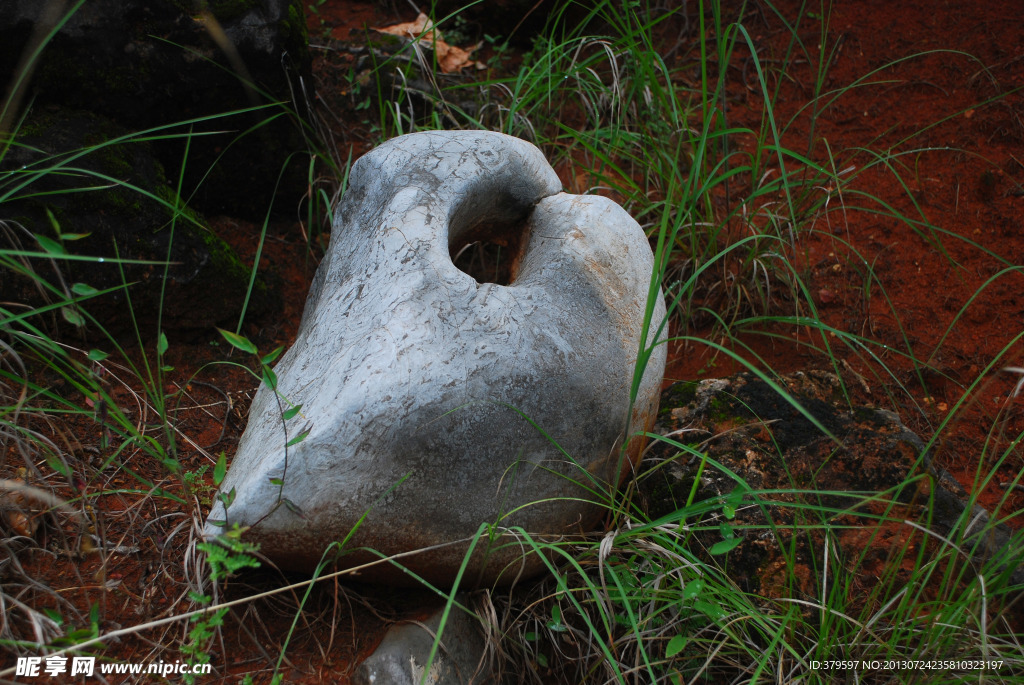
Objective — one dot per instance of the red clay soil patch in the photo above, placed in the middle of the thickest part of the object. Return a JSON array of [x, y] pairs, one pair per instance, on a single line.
[[941, 86]]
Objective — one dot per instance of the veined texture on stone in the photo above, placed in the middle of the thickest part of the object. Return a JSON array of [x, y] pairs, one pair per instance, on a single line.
[[435, 403]]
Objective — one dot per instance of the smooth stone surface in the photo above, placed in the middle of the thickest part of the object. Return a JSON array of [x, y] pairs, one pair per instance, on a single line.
[[403, 656], [435, 403]]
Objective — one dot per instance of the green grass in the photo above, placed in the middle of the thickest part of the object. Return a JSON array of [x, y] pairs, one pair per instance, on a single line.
[[726, 206]]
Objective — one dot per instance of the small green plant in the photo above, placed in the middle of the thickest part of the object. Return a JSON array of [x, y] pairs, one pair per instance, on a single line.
[[269, 379], [225, 556]]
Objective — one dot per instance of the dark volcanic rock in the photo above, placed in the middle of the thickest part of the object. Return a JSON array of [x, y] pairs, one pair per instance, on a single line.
[[152, 63], [64, 175], [754, 436]]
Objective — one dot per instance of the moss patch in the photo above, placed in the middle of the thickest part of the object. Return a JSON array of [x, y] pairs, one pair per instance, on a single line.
[[677, 395]]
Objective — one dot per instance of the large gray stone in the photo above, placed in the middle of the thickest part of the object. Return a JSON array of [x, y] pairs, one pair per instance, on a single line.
[[435, 403]]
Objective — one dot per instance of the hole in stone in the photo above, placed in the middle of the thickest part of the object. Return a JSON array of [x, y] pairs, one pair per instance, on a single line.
[[489, 253]]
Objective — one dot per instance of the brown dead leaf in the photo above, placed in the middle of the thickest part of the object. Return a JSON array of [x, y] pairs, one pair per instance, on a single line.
[[20, 515], [20, 523], [449, 57], [452, 58], [410, 29]]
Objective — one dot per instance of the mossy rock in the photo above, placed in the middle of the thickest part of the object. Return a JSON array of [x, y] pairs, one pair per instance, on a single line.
[[750, 433], [115, 201]]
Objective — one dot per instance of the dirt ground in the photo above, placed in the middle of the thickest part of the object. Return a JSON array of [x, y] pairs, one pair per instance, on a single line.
[[955, 111]]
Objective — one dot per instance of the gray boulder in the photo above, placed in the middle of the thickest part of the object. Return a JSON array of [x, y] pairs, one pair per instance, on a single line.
[[432, 403]]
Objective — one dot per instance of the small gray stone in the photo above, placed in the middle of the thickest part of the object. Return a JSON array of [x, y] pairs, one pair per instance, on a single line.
[[403, 657], [434, 403]]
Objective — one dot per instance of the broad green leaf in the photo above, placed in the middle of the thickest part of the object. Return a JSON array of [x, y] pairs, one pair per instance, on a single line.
[[239, 342], [72, 316], [220, 469], [269, 357], [298, 438], [675, 645], [732, 502], [269, 377], [97, 355], [84, 289], [161, 344], [736, 496], [57, 465], [555, 624], [692, 589], [227, 498], [50, 245], [712, 611], [293, 507], [80, 635], [726, 545], [290, 413]]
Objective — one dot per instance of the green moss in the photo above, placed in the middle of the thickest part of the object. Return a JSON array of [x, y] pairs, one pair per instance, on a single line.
[[295, 32], [224, 258], [678, 395], [224, 261], [118, 161], [172, 200], [721, 408]]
